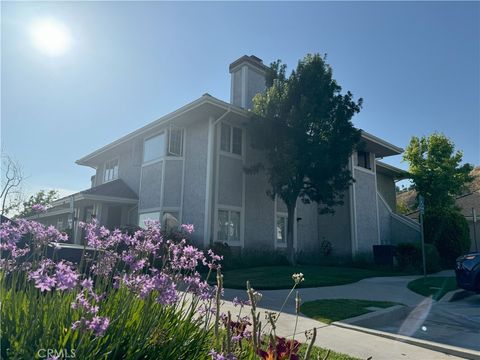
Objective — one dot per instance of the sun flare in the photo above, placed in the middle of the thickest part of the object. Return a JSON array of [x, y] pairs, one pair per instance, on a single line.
[[50, 37]]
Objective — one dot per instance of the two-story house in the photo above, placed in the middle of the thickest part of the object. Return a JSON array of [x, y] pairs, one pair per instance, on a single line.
[[188, 167]]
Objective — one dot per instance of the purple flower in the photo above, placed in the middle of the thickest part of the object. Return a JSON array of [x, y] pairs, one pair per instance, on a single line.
[[189, 228], [87, 284], [98, 325], [221, 356], [39, 208], [65, 277]]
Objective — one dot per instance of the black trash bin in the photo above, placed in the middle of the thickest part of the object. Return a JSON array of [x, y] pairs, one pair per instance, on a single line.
[[383, 254]]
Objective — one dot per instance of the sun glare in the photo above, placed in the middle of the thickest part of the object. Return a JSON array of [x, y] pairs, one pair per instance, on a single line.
[[50, 37]]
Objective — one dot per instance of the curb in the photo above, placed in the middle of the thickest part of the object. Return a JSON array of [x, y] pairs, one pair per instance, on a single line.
[[447, 349]]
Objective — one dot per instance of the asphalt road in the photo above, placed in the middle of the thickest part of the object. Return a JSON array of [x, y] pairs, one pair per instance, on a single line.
[[456, 322]]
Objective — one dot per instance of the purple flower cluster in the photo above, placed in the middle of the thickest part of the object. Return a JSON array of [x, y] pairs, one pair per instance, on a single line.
[[49, 275], [220, 356], [39, 208]]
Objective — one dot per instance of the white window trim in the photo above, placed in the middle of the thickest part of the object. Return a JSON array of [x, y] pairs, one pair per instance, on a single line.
[[276, 244], [230, 209], [182, 141], [105, 170]]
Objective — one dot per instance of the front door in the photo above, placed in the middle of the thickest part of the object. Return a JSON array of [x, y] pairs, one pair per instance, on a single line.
[[114, 217]]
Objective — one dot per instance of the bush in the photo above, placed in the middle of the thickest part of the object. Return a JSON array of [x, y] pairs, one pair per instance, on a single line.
[[409, 257], [247, 258], [447, 229]]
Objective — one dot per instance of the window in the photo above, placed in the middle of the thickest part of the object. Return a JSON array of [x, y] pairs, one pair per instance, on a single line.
[[170, 220], [225, 139], [363, 159], [228, 226], [154, 148], [60, 224], [148, 216], [111, 171], [231, 139], [281, 229], [175, 142]]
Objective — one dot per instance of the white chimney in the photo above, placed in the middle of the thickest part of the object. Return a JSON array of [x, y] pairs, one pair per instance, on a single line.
[[248, 79]]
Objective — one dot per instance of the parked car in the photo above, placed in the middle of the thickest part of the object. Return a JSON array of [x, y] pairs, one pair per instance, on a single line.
[[467, 272]]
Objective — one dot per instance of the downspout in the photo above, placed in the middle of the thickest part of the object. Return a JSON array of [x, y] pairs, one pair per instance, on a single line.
[[209, 180]]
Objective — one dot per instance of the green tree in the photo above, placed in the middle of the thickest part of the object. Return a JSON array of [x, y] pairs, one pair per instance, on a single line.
[[302, 125], [43, 197], [436, 170]]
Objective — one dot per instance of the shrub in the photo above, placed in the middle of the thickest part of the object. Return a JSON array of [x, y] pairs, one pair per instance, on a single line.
[[326, 248], [447, 229], [409, 257]]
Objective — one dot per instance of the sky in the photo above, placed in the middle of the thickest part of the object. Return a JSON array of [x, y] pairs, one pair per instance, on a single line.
[[415, 64]]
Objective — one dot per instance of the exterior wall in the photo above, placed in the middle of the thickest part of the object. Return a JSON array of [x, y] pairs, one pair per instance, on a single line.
[[259, 207], [129, 157], [404, 230], [255, 84], [151, 186], [385, 220], [172, 191], [307, 227], [366, 210], [386, 187], [194, 197], [246, 83], [230, 184], [336, 228]]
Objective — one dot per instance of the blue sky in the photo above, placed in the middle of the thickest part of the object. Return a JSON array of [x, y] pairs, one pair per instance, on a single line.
[[416, 64]]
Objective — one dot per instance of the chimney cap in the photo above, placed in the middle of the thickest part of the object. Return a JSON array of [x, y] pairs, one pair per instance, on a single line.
[[252, 60]]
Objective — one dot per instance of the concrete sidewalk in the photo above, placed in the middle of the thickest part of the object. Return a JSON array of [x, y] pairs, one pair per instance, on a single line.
[[348, 341]]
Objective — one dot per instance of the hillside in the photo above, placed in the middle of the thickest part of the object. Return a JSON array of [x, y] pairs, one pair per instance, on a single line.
[[408, 198]]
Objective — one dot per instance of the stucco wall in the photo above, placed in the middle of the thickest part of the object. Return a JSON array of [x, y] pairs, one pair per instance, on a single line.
[[255, 85], [259, 208], [404, 230], [196, 143], [386, 187], [230, 175], [384, 218], [237, 87], [366, 210], [150, 194], [307, 227], [172, 190], [336, 228]]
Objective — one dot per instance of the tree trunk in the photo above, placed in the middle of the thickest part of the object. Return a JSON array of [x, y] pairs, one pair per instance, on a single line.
[[290, 225]]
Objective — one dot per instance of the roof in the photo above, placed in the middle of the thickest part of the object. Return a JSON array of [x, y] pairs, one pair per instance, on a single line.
[[115, 190], [391, 170], [206, 100], [379, 146]]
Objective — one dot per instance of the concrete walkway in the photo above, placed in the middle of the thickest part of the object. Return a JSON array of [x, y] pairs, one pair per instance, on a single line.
[[345, 340]]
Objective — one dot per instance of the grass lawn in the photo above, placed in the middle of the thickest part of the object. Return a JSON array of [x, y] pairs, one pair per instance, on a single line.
[[319, 353], [331, 310], [280, 277], [435, 286]]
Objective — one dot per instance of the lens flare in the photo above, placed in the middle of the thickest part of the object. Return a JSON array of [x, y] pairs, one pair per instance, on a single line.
[[50, 36]]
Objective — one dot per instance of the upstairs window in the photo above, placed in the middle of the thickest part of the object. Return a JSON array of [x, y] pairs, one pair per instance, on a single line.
[[175, 142], [111, 171], [364, 159], [231, 139], [154, 148]]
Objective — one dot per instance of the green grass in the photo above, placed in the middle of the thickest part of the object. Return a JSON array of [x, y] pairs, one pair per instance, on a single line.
[[319, 353], [280, 277], [435, 286], [331, 310]]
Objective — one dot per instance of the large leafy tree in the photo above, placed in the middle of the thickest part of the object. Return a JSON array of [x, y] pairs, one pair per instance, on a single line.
[[436, 170], [302, 124]]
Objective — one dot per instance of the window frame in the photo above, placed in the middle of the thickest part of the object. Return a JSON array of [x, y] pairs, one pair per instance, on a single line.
[[229, 212], [105, 167], [149, 212], [169, 142], [284, 216], [365, 159], [230, 140], [165, 147]]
